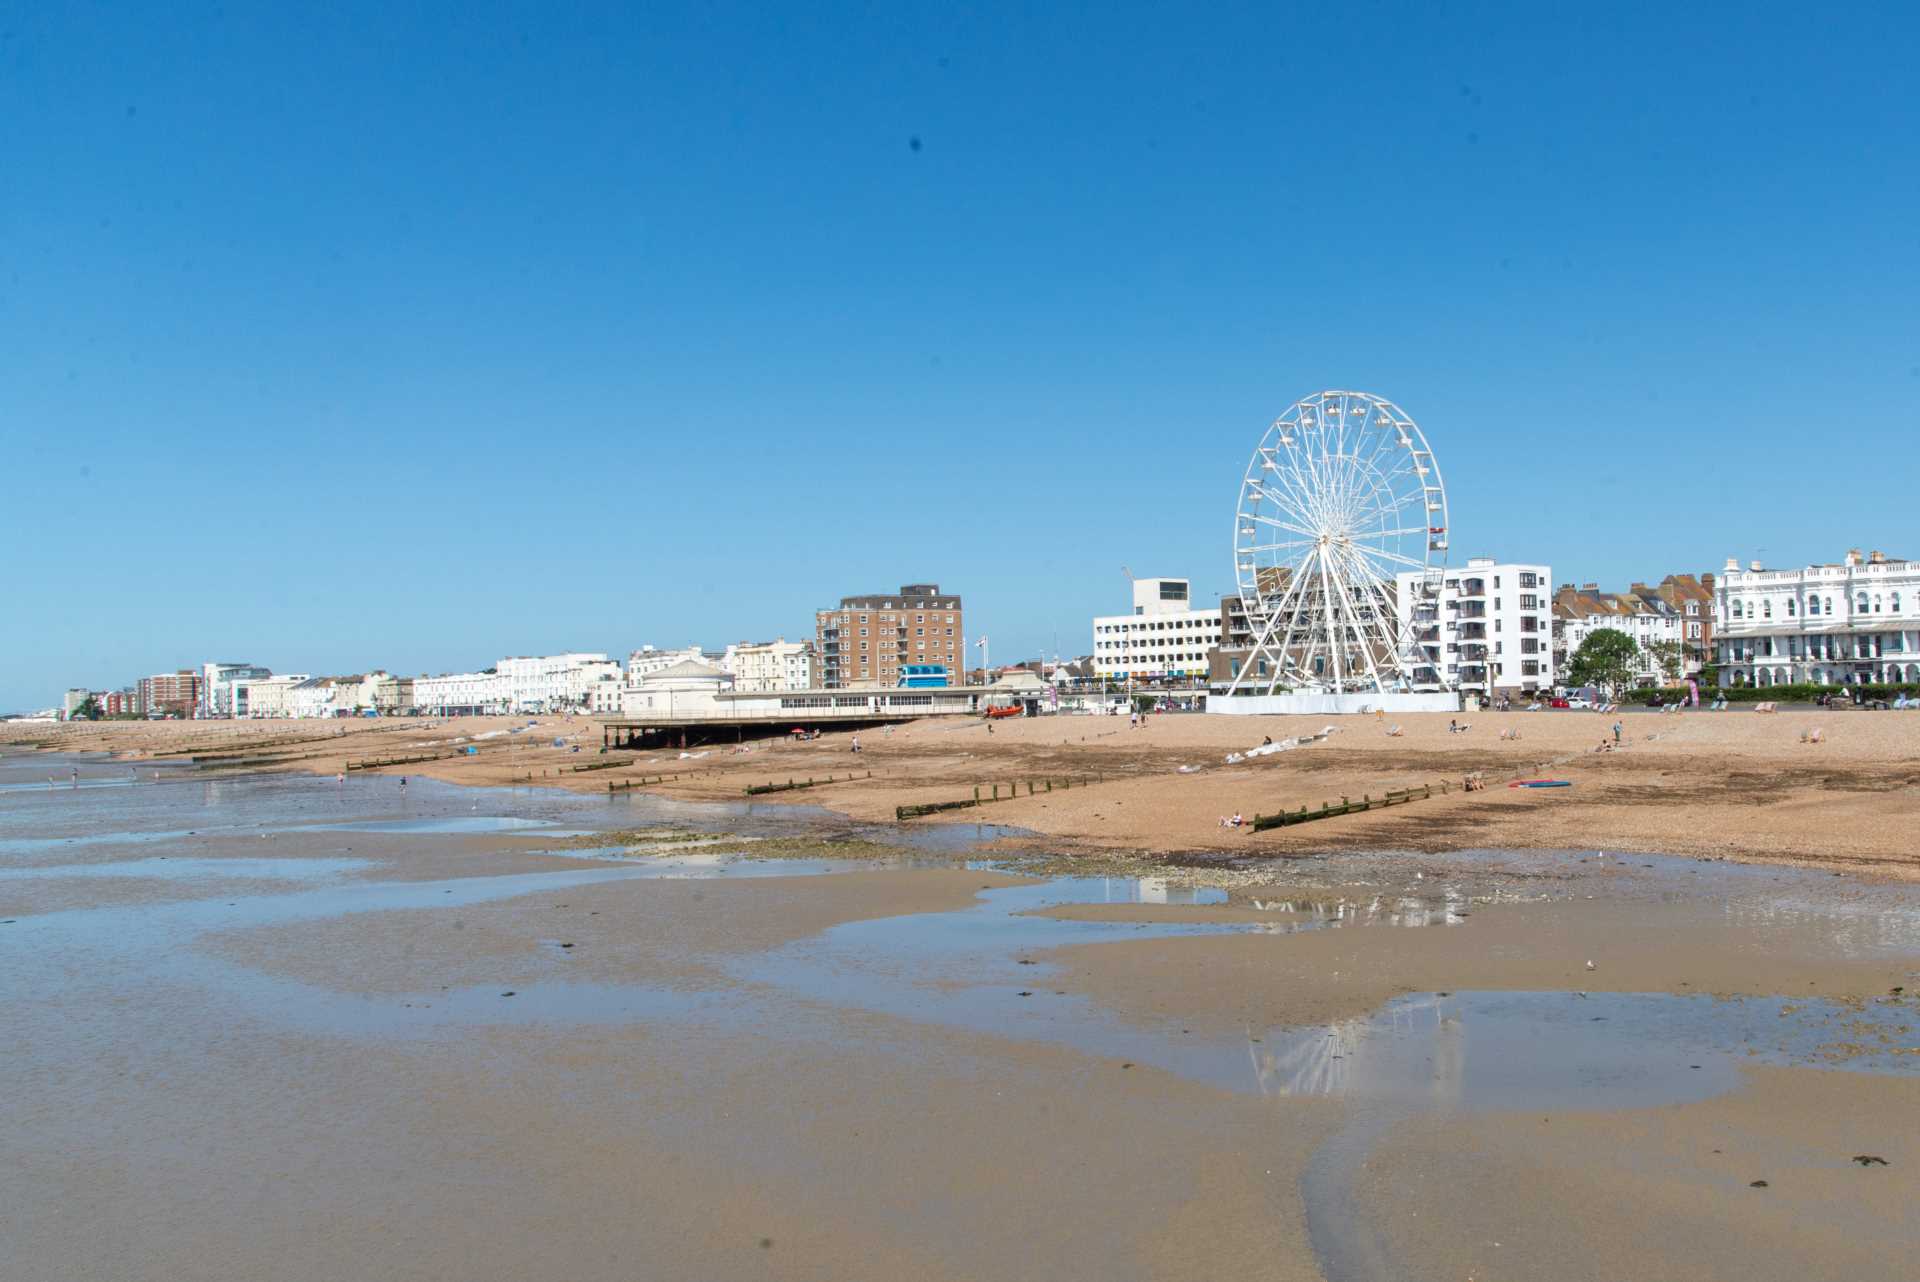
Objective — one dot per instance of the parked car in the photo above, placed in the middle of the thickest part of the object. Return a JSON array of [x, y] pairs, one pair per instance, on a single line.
[[1557, 701], [1580, 703]]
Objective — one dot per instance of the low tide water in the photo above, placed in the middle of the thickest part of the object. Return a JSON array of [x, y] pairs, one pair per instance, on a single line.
[[253, 854]]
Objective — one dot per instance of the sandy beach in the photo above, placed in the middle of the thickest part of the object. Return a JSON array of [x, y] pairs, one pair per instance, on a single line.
[[1735, 785]]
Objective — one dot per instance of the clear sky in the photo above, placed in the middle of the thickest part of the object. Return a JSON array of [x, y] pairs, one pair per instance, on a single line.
[[414, 335]]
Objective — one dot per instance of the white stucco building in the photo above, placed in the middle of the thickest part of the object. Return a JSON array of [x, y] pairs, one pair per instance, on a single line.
[[770, 665], [551, 682], [1578, 613], [1163, 637], [457, 694], [265, 697], [687, 688], [1490, 630], [1855, 622], [324, 697]]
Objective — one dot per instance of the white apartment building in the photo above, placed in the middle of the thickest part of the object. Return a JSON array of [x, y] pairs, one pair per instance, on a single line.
[[1163, 637], [1491, 628], [648, 659], [216, 686], [1852, 623], [551, 682], [456, 694], [770, 665], [265, 697]]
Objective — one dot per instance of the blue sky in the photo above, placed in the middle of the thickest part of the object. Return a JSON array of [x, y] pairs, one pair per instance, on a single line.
[[411, 336]]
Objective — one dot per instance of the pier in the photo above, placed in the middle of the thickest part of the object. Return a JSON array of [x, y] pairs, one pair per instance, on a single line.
[[730, 716]]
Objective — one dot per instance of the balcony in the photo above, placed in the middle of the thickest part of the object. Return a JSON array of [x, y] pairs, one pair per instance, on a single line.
[[1473, 609], [1473, 587]]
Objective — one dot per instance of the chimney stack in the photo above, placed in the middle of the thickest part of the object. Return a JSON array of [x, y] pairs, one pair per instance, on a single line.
[[1754, 566], [1878, 558], [1733, 565], [1853, 556]]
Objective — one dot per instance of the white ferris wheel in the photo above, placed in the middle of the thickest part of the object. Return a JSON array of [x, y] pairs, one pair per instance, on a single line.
[[1341, 522]]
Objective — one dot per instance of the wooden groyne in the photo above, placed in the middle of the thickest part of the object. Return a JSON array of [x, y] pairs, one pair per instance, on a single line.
[[757, 789], [1034, 788], [375, 763], [1345, 806]]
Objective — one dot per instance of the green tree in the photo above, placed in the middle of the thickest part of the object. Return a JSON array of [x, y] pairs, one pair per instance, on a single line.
[[1607, 659], [89, 710], [1669, 656]]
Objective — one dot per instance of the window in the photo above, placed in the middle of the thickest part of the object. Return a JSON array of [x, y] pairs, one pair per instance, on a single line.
[[1766, 608], [1893, 603], [1860, 603], [1736, 609], [1789, 607], [1813, 605]]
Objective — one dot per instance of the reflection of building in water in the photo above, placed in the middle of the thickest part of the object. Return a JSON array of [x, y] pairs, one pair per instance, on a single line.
[[1379, 910], [1414, 1046], [1153, 890]]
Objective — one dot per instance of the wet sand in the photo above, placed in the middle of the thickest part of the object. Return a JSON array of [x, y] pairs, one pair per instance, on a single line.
[[340, 1036], [1660, 1193]]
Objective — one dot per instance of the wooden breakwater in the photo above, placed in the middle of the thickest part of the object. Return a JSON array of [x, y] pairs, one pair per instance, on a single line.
[[1345, 806], [623, 785], [1474, 782], [603, 765], [757, 789], [375, 763], [1034, 788]]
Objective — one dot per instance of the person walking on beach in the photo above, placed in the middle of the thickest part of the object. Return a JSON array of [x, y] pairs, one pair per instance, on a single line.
[[856, 743], [1616, 732]]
